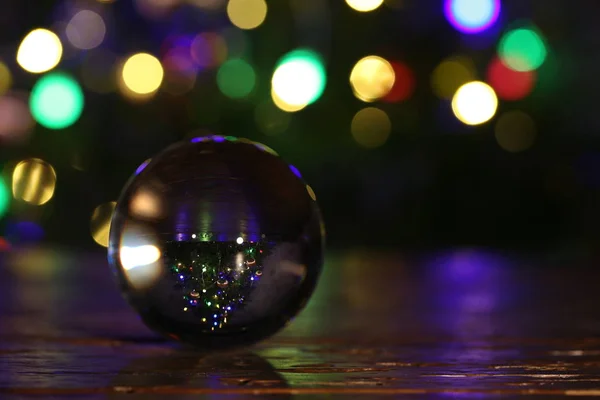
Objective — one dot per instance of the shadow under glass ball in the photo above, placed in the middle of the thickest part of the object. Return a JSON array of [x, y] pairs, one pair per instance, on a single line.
[[217, 242]]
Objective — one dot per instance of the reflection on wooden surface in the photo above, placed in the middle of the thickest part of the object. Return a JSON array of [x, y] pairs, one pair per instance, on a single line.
[[455, 323]]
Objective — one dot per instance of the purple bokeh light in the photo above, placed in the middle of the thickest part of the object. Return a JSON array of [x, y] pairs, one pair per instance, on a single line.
[[472, 16]]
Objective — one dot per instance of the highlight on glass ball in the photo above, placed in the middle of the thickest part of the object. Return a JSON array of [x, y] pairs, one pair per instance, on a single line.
[[217, 242]]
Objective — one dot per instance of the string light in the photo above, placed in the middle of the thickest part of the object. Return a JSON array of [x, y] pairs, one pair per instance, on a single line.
[[226, 288]]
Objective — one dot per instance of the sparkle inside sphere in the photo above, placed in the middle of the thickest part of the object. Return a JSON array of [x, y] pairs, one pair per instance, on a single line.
[[232, 248]]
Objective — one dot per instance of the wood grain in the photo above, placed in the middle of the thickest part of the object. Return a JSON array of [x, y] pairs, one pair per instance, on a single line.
[[455, 323]]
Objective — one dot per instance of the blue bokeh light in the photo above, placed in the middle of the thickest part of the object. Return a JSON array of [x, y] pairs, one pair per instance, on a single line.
[[472, 16]]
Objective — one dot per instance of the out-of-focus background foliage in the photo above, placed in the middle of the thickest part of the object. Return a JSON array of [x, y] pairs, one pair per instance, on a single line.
[[417, 122]]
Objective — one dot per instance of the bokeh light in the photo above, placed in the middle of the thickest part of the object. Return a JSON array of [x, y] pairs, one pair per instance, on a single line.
[[98, 71], [247, 14], [15, 119], [311, 193], [147, 203], [209, 49], [270, 119], [299, 79], [155, 9], [236, 78], [180, 72], [372, 78], [56, 101], [140, 256], [33, 181], [508, 83], [522, 49], [283, 105], [236, 41], [515, 131], [100, 222], [472, 16], [364, 5], [210, 5], [4, 197], [5, 78], [40, 51], [86, 30], [404, 83], [142, 74], [474, 103], [23, 232], [371, 127], [451, 74]]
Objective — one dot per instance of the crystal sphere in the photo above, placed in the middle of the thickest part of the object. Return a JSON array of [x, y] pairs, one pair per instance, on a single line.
[[216, 242]]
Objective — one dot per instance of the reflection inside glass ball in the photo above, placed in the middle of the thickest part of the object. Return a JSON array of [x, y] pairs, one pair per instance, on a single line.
[[217, 242]]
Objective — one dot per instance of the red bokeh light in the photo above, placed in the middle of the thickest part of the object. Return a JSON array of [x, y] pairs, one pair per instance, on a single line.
[[510, 84], [4, 245], [404, 84]]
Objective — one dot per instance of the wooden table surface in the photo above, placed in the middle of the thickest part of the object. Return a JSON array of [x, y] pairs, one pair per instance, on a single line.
[[449, 324]]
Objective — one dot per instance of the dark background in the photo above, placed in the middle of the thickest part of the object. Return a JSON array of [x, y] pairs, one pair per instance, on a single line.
[[435, 182]]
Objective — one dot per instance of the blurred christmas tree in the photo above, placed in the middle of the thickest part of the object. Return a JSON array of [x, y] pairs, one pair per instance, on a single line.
[[215, 277]]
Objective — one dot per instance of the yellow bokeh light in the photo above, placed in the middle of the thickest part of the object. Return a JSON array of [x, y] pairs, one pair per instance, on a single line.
[[5, 78], [515, 131], [474, 103], [364, 5], [100, 222], [283, 105], [371, 127], [40, 51], [33, 181], [142, 74], [451, 74], [372, 78], [247, 14]]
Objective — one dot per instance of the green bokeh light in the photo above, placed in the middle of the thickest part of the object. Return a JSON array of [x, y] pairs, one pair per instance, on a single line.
[[4, 197], [522, 50], [56, 101], [299, 77], [236, 78]]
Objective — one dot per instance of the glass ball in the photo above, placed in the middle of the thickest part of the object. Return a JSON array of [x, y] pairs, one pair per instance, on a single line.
[[216, 242]]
